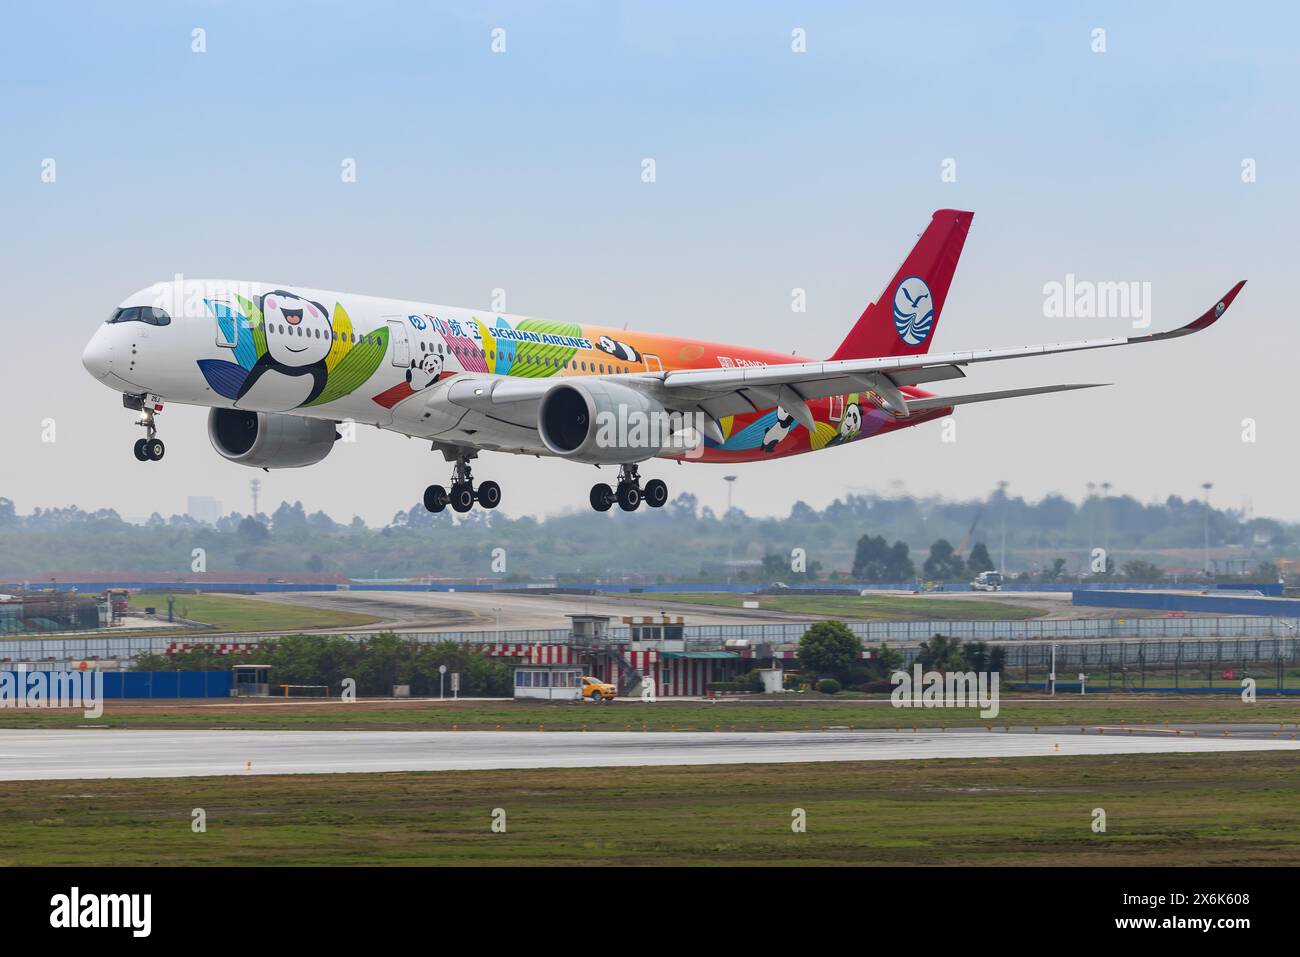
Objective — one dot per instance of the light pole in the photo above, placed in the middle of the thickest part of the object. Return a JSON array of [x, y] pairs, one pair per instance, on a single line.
[[731, 542], [1087, 504], [1002, 567], [1105, 518], [1207, 486]]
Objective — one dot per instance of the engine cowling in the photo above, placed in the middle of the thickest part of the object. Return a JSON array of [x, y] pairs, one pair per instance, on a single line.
[[601, 422], [269, 440]]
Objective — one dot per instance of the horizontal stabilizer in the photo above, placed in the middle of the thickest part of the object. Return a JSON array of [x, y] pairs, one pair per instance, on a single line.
[[947, 401]]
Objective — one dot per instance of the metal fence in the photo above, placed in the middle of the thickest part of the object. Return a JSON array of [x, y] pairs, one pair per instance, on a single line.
[[713, 636], [1124, 653], [1218, 666]]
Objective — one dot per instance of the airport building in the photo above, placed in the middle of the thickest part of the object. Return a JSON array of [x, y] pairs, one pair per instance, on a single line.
[[653, 648]]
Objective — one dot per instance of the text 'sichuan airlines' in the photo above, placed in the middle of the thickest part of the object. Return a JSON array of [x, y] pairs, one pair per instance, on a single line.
[[280, 366]]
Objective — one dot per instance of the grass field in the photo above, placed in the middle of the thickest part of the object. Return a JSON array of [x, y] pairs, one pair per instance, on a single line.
[[634, 716], [233, 613], [890, 607], [1211, 809]]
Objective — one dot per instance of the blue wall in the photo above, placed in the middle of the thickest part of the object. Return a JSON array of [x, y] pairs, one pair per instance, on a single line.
[[1209, 604], [167, 684]]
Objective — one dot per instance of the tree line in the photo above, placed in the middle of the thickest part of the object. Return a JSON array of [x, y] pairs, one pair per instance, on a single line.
[[684, 541]]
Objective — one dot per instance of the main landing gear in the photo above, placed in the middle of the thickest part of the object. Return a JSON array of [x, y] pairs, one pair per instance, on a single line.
[[150, 449], [629, 493], [462, 495]]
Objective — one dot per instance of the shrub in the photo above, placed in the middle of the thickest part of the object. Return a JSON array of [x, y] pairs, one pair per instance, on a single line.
[[720, 687], [828, 686]]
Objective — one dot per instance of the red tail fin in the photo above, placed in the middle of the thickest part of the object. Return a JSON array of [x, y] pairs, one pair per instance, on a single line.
[[903, 320]]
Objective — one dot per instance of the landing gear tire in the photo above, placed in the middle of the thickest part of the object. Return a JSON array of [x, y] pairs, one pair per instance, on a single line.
[[629, 497], [150, 448], [462, 497], [602, 497], [656, 493], [489, 494], [462, 494], [435, 498]]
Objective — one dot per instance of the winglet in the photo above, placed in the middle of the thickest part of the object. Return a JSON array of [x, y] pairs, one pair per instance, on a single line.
[[1205, 320]]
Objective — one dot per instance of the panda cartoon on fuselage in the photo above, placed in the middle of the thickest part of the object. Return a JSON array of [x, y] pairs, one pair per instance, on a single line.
[[619, 350], [424, 371], [778, 430], [850, 425], [298, 338]]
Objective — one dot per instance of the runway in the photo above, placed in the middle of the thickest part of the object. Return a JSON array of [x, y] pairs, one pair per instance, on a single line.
[[89, 753], [481, 611]]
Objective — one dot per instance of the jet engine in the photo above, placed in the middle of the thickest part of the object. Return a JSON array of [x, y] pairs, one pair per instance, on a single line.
[[603, 422], [270, 440]]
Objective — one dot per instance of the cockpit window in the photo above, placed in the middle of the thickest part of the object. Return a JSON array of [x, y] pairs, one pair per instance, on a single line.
[[150, 314]]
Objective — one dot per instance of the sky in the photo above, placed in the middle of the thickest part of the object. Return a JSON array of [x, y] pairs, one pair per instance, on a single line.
[[1167, 157]]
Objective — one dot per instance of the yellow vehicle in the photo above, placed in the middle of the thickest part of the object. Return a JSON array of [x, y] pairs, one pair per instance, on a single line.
[[597, 690]]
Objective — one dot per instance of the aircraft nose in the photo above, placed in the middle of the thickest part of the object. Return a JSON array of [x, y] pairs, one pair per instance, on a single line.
[[98, 355]]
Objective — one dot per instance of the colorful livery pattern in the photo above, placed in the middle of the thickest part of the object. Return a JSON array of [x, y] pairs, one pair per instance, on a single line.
[[469, 381]]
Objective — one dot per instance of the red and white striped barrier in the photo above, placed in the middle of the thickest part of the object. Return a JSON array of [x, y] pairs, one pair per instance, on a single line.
[[231, 648]]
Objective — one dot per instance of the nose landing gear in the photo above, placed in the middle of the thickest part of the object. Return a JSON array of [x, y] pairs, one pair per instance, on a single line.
[[629, 494], [151, 448], [462, 495]]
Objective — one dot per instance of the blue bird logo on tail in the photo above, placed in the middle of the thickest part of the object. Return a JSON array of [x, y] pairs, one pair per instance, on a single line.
[[913, 310]]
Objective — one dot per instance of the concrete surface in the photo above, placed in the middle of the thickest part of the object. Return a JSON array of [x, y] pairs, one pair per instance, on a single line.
[[90, 753]]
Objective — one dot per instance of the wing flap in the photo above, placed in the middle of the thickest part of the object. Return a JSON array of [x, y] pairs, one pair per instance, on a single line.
[[930, 403]]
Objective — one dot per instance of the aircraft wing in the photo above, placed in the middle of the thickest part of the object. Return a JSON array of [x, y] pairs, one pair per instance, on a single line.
[[721, 392]]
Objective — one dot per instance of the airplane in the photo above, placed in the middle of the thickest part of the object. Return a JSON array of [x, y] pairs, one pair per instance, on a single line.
[[281, 367]]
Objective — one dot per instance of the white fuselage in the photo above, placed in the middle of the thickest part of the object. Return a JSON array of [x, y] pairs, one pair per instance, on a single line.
[[210, 354]]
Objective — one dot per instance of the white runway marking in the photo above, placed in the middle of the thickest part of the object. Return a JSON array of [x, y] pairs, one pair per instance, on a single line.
[[59, 754]]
